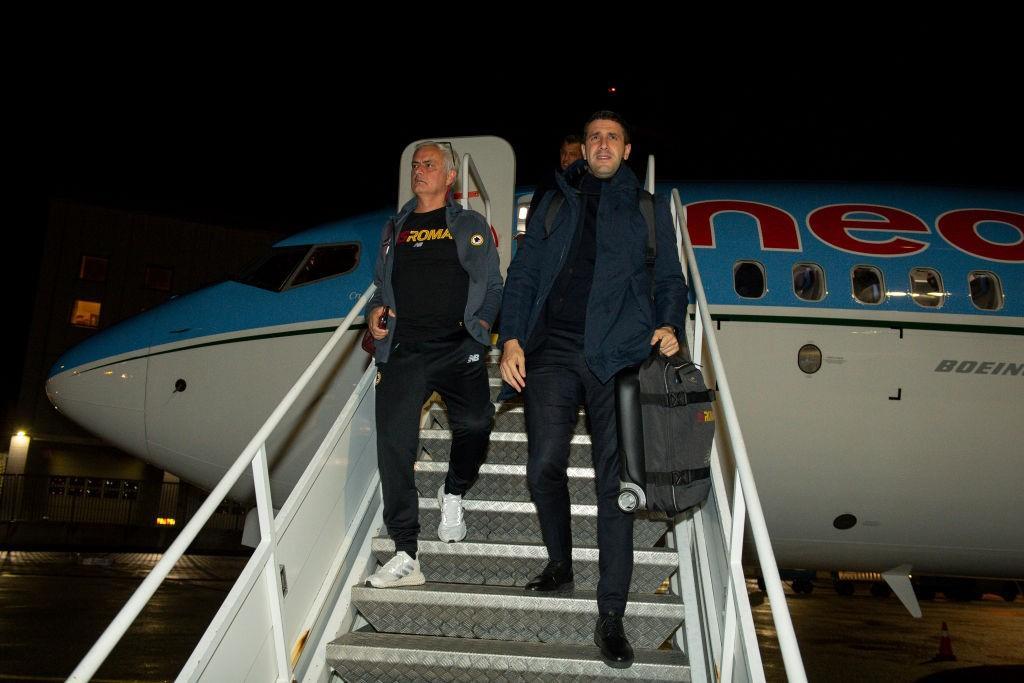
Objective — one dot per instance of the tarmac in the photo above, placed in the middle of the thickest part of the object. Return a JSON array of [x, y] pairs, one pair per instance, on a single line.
[[55, 605]]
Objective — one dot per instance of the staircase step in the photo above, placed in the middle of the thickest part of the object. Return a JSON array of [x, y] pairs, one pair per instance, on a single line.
[[368, 656], [503, 482], [508, 417], [505, 448], [503, 613], [495, 386], [516, 522], [513, 565]]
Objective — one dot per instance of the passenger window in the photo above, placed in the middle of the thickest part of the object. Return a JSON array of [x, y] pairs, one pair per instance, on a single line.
[[522, 208], [809, 282], [748, 279], [325, 262], [986, 290], [868, 286], [926, 287]]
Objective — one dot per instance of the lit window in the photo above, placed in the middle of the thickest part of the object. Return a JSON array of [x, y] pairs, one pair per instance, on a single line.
[[325, 262], [748, 279], [986, 290], [809, 282], [85, 313], [159, 278], [868, 285], [926, 287], [93, 268]]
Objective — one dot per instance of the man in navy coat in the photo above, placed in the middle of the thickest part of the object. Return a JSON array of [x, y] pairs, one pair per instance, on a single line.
[[579, 306]]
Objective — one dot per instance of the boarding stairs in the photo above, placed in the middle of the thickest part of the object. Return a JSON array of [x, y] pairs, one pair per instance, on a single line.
[[300, 610], [473, 620]]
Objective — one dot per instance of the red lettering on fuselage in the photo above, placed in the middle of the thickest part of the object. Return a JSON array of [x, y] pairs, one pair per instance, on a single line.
[[960, 228], [832, 225], [776, 228]]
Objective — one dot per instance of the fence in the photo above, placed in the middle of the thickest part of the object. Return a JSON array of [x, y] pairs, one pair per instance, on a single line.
[[98, 500]]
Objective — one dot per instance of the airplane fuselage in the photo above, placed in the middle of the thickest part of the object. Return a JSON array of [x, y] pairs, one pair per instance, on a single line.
[[901, 447]]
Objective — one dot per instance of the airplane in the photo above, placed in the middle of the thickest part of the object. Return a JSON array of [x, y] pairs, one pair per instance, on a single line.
[[873, 335]]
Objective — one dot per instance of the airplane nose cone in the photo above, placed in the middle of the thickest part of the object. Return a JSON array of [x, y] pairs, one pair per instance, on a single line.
[[104, 393]]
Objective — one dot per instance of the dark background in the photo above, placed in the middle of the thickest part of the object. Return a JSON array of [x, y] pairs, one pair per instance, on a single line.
[[286, 140]]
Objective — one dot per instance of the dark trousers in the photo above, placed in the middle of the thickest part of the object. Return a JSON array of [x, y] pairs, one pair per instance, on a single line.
[[557, 382], [455, 370]]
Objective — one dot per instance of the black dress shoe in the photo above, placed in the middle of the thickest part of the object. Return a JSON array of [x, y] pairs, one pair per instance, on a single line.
[[611, 638], [557, 576]]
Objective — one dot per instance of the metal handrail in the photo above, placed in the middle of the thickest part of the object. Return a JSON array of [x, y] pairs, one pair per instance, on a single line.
[[253, 454], [745, 492], [470, 169]]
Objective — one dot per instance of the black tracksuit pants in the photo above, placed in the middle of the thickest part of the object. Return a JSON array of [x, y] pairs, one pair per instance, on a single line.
[[455, 369], [557, 382]]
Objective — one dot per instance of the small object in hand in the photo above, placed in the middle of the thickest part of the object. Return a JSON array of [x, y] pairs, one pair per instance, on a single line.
[[382, 322]]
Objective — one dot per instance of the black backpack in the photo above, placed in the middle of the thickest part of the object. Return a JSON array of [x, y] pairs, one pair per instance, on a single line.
[[678, 429], [665, 426]]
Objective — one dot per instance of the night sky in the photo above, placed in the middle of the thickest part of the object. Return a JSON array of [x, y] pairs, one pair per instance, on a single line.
[[290, 143]]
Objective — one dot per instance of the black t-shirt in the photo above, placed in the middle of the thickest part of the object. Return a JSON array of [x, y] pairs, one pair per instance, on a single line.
[[429, 282]]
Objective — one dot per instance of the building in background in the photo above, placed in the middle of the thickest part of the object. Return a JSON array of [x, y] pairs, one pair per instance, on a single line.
[[100, 266]]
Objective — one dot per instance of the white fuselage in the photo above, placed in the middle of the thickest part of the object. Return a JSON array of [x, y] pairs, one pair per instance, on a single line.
[[928, 462]]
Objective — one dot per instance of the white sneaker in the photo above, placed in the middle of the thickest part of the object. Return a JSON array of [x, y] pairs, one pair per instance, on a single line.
[[400, 570], [452, 528]]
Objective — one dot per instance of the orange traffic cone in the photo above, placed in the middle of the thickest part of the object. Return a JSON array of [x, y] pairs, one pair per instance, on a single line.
[[945, 647]]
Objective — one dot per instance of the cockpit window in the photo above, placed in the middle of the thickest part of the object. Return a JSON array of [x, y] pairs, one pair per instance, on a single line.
[[809, 282], [868, 286], [986, 290], [926, 287], [327, 261], [748, 279], [273, 271]]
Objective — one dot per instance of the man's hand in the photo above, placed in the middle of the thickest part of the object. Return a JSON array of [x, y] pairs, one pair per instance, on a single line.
[[376, 331], [513, 364], [667, 336]]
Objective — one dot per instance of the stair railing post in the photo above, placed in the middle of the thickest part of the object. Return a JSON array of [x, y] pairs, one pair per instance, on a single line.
[[271, 577]]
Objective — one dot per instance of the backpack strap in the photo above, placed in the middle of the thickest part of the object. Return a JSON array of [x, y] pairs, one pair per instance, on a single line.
[[679, 477], [646, 201], [678, 399], [549, 217]]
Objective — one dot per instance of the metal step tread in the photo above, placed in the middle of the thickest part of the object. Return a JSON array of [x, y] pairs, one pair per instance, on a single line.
[[505, 564], [369, 656], [507, 613], [502, 482], [512, 405], [480, 597], [502, 469], [509, 437], [516, 522], [510, 448], [662, 556]]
